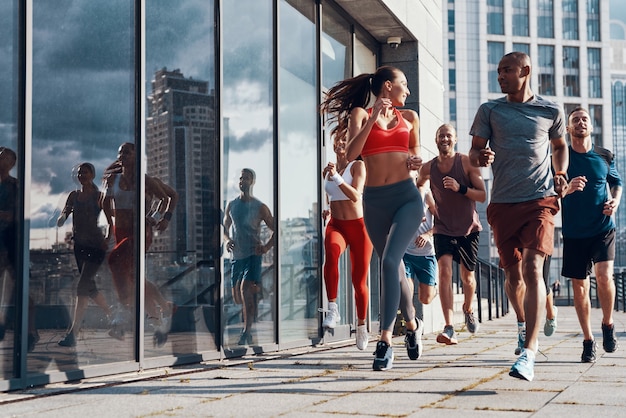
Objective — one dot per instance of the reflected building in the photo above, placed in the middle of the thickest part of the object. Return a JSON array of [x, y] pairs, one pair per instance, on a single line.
[[180, 149]]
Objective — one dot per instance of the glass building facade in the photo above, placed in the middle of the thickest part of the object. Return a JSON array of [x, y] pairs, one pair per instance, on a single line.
[[129, 131]]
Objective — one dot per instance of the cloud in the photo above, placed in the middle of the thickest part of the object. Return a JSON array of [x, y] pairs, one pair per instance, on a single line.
[[252, 140]]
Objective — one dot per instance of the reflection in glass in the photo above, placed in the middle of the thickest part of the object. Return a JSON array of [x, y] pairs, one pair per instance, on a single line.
[[248, 143], [88, 240], [299, 212], [181, 151], [246, 224], [82, 109], [8, 184]]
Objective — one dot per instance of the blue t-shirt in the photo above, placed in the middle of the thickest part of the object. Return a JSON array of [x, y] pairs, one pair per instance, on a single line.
[[520, 135], [582, 210]]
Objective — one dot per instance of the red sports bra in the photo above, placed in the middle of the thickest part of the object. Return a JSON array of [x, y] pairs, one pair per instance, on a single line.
[[382, 140]]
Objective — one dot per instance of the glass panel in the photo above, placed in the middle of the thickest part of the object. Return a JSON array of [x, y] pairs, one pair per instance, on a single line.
[[8, 186], [545, 18], [337, 31], [182, 149], [247, 103], [495, 17], [594, 64], [545, 68], [450, 20], [570, 19], [520, 17], [595, 111], [299, 211], [593, 20], [83, 107], [451, 50], [571, 71], [495, 51], [525, 48], [336, 52]]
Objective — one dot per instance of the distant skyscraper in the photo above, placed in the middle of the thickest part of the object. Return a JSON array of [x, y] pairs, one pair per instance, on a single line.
[[181, 147]]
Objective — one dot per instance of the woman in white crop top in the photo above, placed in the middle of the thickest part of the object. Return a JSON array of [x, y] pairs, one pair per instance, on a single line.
[[119, 202], [343, 182]]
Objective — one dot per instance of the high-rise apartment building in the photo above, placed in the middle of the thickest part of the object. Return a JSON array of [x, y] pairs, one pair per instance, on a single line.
[[568, 42], [180, 141]]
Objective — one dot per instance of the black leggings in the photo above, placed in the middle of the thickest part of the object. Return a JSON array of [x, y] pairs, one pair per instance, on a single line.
[[392, 215]]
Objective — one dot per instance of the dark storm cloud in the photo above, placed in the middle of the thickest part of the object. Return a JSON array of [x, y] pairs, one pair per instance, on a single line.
[[250, 141]]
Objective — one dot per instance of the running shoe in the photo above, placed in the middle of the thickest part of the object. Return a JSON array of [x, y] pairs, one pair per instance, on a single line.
[[447, 337], [471, 322], [609, 342], [68, 341], [589, 352], [413, 340], [362, 337], [332, 317], [550, 326], [524, 366], [384, 357]]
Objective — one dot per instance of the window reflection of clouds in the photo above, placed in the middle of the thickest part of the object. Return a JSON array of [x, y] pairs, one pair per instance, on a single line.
[[247, 95], [82, 93]]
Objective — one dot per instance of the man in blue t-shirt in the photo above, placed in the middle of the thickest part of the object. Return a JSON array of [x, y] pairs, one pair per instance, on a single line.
[[589, 228]]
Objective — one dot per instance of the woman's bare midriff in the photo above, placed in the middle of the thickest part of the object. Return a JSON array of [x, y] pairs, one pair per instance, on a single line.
[[346, 210], [386, 168]]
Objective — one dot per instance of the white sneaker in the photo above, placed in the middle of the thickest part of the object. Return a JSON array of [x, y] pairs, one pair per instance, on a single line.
[[332, 317], [362, 337]]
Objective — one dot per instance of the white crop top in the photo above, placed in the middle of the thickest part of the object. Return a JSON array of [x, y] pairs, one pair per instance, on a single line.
[[331, 188]]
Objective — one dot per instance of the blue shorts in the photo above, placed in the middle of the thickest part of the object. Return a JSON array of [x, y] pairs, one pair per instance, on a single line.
[[248, 269], [422, 268]]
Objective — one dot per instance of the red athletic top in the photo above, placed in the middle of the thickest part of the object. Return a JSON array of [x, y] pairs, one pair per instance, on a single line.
[[387, 140]]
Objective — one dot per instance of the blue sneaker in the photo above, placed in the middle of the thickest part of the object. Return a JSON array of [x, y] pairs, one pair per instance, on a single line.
[[550, 326], [384, 356], [524, 366]]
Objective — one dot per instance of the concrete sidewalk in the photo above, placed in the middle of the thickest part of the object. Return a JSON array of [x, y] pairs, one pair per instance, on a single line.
[[469, 380]]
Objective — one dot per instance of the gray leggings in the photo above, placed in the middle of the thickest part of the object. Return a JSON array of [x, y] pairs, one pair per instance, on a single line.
[[392, 214]]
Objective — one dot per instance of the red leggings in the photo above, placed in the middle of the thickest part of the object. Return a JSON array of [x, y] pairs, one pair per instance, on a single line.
[[339, 235], [122, 262]]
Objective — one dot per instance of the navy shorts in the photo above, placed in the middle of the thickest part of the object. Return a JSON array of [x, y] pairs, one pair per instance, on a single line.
[[579, 254]]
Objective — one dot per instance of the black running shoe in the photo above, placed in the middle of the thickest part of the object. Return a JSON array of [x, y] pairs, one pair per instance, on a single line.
[[609, 342], [589, 352]]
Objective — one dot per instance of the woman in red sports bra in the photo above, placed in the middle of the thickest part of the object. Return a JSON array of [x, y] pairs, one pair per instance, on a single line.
[[388, 140]]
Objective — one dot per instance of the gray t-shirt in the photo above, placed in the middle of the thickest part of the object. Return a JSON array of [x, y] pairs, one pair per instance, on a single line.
[[520, 134]]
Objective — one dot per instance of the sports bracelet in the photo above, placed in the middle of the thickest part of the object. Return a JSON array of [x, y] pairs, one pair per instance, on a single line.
[[337, 179]]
